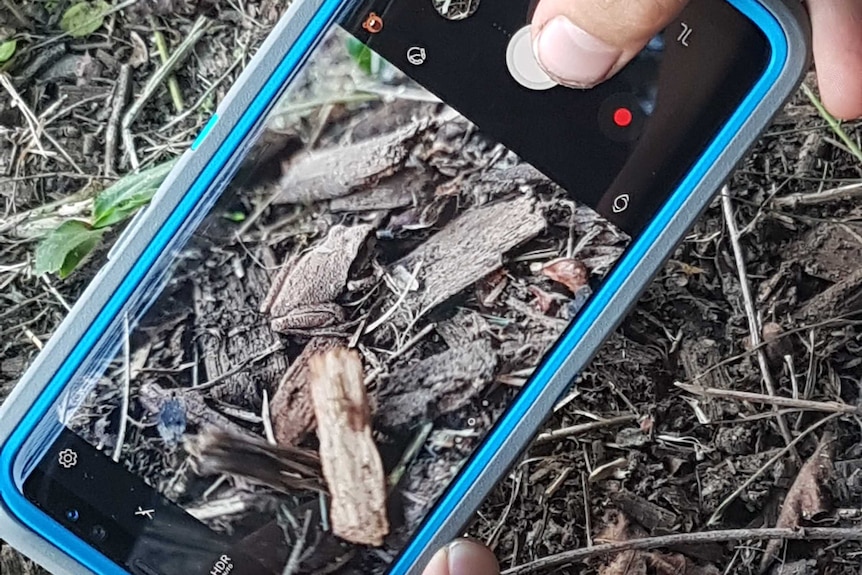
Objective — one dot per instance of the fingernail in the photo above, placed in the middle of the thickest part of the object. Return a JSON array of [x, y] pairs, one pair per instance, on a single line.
[[463, 556], [573, 56]]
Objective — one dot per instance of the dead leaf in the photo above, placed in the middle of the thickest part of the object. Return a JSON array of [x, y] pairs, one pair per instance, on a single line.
[[616, 468], [140, 54], [677, 564], [634, 562], [570, 272], [805, 499], [627, 562], [544, 300]]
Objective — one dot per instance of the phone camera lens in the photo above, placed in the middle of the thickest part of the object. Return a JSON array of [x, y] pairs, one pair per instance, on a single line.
[[72, 515], [98, 533]]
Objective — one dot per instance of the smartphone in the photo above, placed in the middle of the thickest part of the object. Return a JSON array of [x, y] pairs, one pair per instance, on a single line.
[[356, 298]]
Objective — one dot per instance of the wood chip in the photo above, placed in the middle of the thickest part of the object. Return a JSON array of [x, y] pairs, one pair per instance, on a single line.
[[349, 457], [399, 191], [291, 410], [469, 248], [437, 385], [337, 171]]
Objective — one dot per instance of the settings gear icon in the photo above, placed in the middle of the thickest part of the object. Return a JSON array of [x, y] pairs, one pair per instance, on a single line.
[[68, 458]]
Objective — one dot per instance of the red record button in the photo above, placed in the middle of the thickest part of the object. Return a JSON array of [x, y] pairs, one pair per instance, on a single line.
[[621, 118]]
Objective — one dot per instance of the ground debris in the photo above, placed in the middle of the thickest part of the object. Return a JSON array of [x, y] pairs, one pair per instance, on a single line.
[[806, 497], [285, 469], [801, 567], [437, 385], [349, 457]]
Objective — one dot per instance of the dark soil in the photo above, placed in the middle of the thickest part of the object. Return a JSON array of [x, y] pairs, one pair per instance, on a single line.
[[666, 469]]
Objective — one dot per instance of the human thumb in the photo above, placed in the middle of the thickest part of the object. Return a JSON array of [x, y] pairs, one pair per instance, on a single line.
[[463, 557], [581, 43]]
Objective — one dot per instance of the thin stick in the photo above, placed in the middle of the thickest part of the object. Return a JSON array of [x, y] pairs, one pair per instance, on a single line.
[[751, 313], [203, 98], [409, 455], [803, 404], [404, 293], [848, 192], [238, 368], [296, 553], [574, 430], [716, 516], [719, 536], [197, 31], [56, 293], [266, 416], [29, 116], [118, 102], [127, 384]]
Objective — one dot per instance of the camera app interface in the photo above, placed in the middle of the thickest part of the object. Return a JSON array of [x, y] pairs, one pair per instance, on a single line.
[[421, 218]]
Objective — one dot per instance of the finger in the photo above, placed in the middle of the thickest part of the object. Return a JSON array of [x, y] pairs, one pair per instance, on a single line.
[[837, 43], [463, 557], [581, 43]]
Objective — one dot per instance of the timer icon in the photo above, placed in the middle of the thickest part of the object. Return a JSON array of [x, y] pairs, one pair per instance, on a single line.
[[68, 459]]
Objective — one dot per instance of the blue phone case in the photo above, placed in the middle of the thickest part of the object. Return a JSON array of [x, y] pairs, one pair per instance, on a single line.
[[146, 248]]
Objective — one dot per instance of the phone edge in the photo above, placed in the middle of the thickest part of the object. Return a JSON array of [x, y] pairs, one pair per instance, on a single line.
[[520, 435]]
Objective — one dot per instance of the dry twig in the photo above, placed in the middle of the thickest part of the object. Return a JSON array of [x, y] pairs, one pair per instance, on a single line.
[[754, 326], [778, 401], [841, 193], [575, 430], [558, 560]]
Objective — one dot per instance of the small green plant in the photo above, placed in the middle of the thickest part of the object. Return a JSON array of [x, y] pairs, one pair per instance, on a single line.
[[84, 18], [367, 60], [7, 50], [63, 249]]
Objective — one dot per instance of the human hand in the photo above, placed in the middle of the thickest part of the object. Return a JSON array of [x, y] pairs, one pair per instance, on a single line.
[[581, 43], [463, 557]]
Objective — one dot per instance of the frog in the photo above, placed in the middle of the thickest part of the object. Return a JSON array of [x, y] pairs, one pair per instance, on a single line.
[[303, 294]]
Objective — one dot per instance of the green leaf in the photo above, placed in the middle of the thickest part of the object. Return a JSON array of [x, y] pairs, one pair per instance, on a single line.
[[126, 195], [7, 50], [367, 60], [63, 248], [235, 216], [84, 18]]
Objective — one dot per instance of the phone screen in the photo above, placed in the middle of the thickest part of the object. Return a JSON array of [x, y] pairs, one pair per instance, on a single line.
[[419, 220]]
